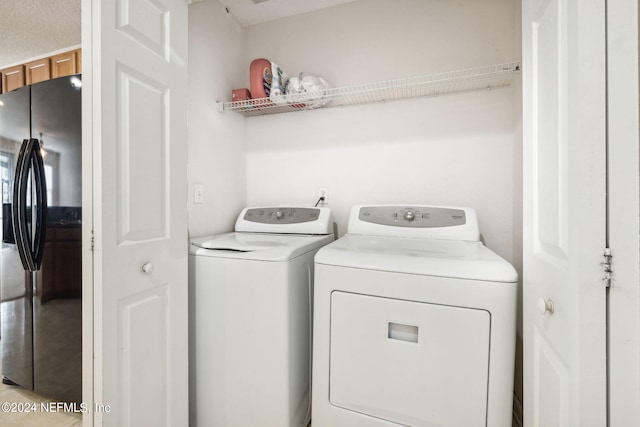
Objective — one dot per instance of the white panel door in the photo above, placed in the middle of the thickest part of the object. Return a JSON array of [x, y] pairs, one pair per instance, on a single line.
[[136, 96], [564, 213]]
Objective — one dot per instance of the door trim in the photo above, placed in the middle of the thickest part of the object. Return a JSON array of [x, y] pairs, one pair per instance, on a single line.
[[623, 191], [88, 190]]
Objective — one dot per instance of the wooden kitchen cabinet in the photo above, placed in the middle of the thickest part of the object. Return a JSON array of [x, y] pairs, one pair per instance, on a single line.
[[38, 71], [12, 78], [66, 64], [63, 64]]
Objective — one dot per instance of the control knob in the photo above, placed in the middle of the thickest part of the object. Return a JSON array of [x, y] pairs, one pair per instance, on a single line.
[[409, 216], [279, 214]]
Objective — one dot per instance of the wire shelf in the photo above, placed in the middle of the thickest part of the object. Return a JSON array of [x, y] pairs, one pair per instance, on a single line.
[[468, 80]]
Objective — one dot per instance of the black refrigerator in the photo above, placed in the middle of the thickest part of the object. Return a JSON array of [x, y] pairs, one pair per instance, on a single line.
[[41, 252]]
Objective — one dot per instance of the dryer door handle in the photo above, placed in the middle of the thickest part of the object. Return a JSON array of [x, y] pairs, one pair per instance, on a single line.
[[402, 332]]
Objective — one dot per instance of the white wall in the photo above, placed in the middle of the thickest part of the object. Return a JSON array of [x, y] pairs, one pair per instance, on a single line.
[[417, 152], [457, 150], [216, 142], [451, 150], [369, 40]]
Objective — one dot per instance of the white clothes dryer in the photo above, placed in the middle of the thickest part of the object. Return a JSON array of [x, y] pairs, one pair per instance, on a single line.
[[250, 314], [414, 324]]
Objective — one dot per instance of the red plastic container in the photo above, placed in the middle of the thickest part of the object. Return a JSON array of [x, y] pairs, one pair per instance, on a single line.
[[260, 77]]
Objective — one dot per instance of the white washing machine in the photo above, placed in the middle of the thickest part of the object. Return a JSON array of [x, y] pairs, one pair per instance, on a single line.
[[250, 299], [414, 324]]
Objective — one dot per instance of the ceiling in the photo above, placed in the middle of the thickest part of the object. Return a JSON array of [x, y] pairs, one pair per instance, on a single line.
[[30, 29], [33, 28], [251, 12]]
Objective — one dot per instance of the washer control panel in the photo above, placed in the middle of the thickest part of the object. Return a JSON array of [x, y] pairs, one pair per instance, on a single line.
[[285, 220], [412, 216], [282, 215]]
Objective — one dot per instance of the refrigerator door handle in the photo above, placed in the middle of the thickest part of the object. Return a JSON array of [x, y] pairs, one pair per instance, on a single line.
[[19, 207], [37, 163], [30, 250]]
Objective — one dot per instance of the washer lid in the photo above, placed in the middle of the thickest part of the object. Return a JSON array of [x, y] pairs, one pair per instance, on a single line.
[[442, 258], [257, 246]]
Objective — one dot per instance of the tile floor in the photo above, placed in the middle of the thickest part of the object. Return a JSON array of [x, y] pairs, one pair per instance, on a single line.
[[20, 397]]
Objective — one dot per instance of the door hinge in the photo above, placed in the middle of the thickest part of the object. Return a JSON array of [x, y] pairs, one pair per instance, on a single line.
[[606, 267], [93, 240]]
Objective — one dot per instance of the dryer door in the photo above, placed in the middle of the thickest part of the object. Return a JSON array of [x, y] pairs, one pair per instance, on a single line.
[[407, 362]]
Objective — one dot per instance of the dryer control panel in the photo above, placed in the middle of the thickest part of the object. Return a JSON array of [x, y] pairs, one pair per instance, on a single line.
[[415, 221], [412, 216]]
